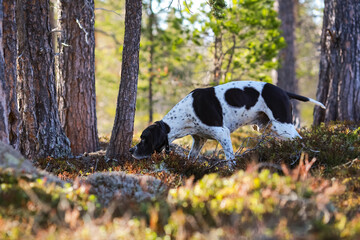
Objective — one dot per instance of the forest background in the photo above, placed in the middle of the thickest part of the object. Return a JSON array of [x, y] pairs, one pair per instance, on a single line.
[[301, 189], [183, 42]]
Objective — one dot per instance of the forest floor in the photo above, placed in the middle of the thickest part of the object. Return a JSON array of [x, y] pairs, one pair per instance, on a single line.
[[303, 189]]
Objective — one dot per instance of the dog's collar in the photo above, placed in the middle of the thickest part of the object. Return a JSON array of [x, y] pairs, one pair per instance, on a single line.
[[164, 130]]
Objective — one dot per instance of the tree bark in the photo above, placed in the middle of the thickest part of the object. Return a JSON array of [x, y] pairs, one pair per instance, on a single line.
[[76, 75], [121, 136], [10, 55], [339, 78], [287, 72], [40, 132], [4, 124]]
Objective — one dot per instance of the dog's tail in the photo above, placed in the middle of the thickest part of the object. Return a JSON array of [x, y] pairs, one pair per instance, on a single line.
[[305, 99]]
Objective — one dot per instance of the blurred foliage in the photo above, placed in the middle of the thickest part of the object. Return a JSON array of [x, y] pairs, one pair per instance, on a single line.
[[182, 42], [253, 205], [279, 194], [217, 8], [166, 57], [250, 38], [39, 204], [109, 34], [307, 46], [174, 61], [184, 50]]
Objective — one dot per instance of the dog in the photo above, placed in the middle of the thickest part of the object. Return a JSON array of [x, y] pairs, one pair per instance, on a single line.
[[215, 112]]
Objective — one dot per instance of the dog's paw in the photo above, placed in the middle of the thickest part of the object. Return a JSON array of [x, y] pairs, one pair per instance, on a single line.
[[231, 164]]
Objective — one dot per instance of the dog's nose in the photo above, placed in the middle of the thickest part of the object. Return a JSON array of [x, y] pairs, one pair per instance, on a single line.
[[131, 150]]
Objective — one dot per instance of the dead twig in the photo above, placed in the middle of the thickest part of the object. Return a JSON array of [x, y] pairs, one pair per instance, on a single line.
[[347, 164], [112, 35], [104, 9]]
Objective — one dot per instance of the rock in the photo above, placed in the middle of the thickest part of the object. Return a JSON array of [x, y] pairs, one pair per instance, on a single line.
[[11, 161], [124, 187]]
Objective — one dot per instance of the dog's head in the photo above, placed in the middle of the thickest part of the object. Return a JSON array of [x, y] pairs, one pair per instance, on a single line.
[[153, 138]]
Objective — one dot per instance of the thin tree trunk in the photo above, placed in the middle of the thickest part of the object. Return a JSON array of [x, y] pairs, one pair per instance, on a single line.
[[339, 78], [121, 136], [287, 72], [10, 55], [217, 58], [41, 133], [231, 52], [151, 61], [76, 75], [4, 125]]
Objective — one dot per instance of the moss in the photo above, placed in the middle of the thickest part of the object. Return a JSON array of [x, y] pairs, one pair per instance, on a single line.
[[331, 145]]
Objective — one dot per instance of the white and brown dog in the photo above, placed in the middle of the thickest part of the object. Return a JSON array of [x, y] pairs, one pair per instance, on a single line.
[[215, 112]]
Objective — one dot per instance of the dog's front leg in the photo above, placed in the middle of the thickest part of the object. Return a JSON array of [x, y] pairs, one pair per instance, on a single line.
[[222, 135], [198, 143]]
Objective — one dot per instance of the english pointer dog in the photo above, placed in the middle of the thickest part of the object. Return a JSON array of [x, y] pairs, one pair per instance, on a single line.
[[215, 112]]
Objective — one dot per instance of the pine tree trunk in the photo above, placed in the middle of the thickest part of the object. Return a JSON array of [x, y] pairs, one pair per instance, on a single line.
[[122, 133], [4, 125], [339, 78], [10, 55], [286, 73], [41, 134], [76, 75]]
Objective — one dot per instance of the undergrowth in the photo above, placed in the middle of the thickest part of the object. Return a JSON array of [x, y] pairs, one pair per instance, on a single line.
[[302, 189], [331, 145]]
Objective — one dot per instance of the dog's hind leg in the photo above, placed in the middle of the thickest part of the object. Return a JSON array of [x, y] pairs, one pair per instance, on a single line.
[[222, 135], [198, 143], [260, 122]]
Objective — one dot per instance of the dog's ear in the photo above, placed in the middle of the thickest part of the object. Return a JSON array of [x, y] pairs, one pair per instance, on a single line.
[[159, 138], [167, 127]]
